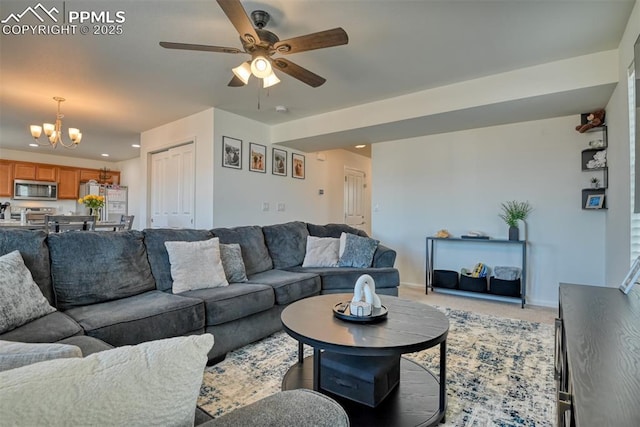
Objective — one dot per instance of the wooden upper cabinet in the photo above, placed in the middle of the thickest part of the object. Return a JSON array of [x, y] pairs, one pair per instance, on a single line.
[[68, 183], [24, 171], [112, 177], [6, 179], [34, 171]]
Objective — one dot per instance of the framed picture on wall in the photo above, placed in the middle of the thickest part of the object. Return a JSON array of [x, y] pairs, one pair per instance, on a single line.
[[594, 201], [632, 277], [231, 152], [279, 163], [297, 165], [257, 158]]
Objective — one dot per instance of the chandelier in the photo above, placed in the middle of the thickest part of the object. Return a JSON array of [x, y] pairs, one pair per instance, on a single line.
[[54, 131]]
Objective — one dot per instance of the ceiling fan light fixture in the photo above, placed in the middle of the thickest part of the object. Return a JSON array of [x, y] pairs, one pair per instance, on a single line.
[[243, 72], [270, 80], [261, 67]]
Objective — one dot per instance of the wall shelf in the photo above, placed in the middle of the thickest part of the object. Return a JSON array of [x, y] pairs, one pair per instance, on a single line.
[[602, 173]]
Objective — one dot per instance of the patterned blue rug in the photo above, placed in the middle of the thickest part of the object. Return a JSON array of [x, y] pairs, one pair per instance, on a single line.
[[499, 372]]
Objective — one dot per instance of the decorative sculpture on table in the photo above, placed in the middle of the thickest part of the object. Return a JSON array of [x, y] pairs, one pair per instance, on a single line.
[[365, 286]]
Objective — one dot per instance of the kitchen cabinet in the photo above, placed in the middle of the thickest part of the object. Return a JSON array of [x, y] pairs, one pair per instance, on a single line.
[[34, 171], [68, 183], [112, 177], [6, 179]]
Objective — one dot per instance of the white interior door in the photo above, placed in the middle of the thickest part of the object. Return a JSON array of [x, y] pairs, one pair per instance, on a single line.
[[354, 187], [173, 187]]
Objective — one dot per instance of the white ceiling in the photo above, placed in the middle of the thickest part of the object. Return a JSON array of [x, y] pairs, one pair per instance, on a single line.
[[117, 86]]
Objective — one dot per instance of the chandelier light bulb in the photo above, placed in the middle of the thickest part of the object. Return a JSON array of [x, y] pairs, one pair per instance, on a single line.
[[36, 131], [48, 129]]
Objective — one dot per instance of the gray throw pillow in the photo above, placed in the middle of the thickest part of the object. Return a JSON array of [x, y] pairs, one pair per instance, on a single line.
[[232, 262], [21, 300], [356, 251], [17, 354]]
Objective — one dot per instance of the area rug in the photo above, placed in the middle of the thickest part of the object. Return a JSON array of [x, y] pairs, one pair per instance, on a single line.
[[499, 372]]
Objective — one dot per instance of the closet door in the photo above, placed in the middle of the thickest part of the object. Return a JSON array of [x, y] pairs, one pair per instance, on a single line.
[[173, 187]]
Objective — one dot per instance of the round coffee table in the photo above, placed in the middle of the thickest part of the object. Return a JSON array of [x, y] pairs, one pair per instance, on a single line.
[[418, 399]]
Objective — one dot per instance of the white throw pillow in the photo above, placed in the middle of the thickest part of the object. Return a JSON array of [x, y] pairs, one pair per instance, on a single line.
[[321, 252], [17, 354], [196, 265], [153, 383], [21, 300]]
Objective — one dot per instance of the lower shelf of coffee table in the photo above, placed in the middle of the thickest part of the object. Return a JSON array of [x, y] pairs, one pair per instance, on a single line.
[[415, 402]]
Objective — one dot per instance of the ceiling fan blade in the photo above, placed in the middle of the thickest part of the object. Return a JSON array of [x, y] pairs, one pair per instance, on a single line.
[[201, 47], [240, 20], [322, 39], [298, 72], [235, 82]]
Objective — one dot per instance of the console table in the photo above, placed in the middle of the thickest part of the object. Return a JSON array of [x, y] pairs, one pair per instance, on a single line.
[[431, 250], [597, 357]]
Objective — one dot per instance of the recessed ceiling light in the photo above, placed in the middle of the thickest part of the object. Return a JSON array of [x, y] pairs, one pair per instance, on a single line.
[[33, 145], [360, 146], [135, 145], [104, 155], [281, 109]]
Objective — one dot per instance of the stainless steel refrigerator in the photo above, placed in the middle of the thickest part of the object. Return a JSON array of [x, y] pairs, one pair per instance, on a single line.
[[115, 204]]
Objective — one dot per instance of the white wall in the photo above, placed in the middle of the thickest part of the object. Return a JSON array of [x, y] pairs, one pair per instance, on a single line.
[[240, 194], [458, 180], [198, 128], [618, 216]]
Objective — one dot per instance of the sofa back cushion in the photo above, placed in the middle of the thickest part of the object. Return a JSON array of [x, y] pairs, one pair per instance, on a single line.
[[251, 240], [287, 243], [35, 253], [154, 239], [91, 267], [333, 230]]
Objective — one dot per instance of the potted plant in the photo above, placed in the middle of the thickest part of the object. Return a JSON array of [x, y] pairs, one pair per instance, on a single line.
[[595, 182], [512, 212]]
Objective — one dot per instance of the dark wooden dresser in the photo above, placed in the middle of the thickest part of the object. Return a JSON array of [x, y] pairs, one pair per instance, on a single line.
[[597, 357]]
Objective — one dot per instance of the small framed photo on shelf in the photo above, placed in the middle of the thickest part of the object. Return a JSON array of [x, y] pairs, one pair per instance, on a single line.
[[594, 201], [297, 166], [231, 152], [279, 163], [257, 158], [632, 277]]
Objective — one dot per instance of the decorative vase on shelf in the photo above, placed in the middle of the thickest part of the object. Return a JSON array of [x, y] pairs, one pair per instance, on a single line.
[[95, 212], [514, 233]]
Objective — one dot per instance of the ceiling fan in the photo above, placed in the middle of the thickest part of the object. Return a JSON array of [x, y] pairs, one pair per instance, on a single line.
[[262, 45]]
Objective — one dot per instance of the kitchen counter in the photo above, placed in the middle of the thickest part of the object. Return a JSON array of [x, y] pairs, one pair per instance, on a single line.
[[14, 223]]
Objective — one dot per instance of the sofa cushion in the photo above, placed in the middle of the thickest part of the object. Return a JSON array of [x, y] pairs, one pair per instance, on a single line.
[[333, 230], [154, 383], [149, 316], [154, 239], [87, 345], [50, 328], [233, 263], [321, 252], [94, 267], [195, 265], [233, 302], [21, 300], [287, 243], [17, 354], [251, 240], [344, 278], [35, 253], [356, 251], [288, 286]]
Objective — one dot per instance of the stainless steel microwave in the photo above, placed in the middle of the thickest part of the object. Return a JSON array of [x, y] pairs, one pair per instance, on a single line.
[[34, 190]]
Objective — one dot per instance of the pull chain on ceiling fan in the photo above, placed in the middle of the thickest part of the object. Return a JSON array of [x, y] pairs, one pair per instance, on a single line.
[[262, 45]]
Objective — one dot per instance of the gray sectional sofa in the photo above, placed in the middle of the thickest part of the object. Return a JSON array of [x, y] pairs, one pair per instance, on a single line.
[[115, 289]]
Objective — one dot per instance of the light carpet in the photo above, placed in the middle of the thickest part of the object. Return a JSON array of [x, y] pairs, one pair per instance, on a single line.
[[499, 372]]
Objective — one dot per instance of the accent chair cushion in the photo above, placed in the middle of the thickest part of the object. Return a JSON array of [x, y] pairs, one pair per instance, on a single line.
[[356, 251], [153, 383], [196, 265], [17, 354], [232, 262], [21, 300], [321, 252]]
